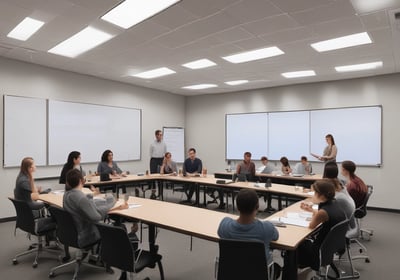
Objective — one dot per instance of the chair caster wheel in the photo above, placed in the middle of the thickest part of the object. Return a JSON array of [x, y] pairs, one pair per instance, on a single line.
[[35, 264], [51, 275], [367, 261], [15, 262]]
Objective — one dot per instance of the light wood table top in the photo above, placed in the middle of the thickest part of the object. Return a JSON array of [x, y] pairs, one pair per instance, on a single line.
[[198, 222]]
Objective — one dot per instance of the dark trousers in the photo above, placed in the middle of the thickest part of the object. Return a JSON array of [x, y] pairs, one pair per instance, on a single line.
[[155, 164]]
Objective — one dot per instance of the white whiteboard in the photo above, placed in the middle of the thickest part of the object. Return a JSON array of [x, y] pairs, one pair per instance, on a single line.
[[92, 129], [174, 138], [289, 134], [24, 130], [357, 132], [246, 133]]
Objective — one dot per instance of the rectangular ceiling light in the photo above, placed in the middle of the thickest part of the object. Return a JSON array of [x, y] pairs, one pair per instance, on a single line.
[[25, 29], [237, 82], [132, 12], [198, 64], [359, 67], [200, 86], [81, 42], [253, 55], [298, 74], [370, 6], [155, 73], [343, 42]]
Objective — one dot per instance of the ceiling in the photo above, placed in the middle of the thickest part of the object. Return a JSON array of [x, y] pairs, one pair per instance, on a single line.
[[195, 29]]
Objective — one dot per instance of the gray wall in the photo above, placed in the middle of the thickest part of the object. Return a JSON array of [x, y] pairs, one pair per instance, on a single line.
[[205, 120], [23, 79], [204, 116]]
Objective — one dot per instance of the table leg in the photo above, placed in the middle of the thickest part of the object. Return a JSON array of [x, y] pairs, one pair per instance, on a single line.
[[289, 265]]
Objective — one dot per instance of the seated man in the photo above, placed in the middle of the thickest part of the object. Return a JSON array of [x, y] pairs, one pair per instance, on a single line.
[[247, 226], [303, 167], [192, 166], [246, 167], [84, 211], [265, 168]]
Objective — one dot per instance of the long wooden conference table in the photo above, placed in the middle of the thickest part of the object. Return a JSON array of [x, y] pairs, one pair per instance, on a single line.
[[202, 181], [292, 179], [201, 223]]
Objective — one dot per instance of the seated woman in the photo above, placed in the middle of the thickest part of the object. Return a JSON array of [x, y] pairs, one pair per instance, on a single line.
[[342, 197], [329, 213], [25, 188], [168, 166], [286, 170], [355, 185], [73, 161], [110, 167]]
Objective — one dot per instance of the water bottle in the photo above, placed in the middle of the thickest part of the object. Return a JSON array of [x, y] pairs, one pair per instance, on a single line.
[[268, 183]]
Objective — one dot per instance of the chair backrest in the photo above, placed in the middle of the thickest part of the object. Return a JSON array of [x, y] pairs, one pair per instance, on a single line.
[[25, 218], [66, 229], [241, 177], [116, 248], [362, 210], [334, 242], [242, 259]]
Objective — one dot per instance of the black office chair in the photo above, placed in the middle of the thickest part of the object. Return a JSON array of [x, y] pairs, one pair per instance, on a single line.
[[117, 251], [67, 234], [334, 242], [242, 259], [36, 226], [361, 212]]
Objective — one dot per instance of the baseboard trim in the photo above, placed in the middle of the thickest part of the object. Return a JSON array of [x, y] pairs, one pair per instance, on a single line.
[[8, 219], [384, 209]]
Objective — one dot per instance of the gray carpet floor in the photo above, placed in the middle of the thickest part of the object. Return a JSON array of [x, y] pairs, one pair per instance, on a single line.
[[192, 258]]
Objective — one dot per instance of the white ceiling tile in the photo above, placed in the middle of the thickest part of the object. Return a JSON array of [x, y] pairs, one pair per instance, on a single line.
[[206, 7], [233, 34], [270, 25], [333, 11], [291, 6], [252, 10], [197, 30], [176, 16], [375, 20], [337, 28], [290, 35]]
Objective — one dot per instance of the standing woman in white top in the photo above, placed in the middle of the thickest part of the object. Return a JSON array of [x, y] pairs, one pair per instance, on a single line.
[[330, 150]]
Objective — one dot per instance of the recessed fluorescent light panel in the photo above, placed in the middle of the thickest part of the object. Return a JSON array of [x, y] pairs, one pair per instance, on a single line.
[[343, 42], [359, 67], [198, 64], [369, 6], [155, 73], [298, 74], [131, 12], [254, 55], [200, 86], [237, 82], [25, 29], [81, 42]]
